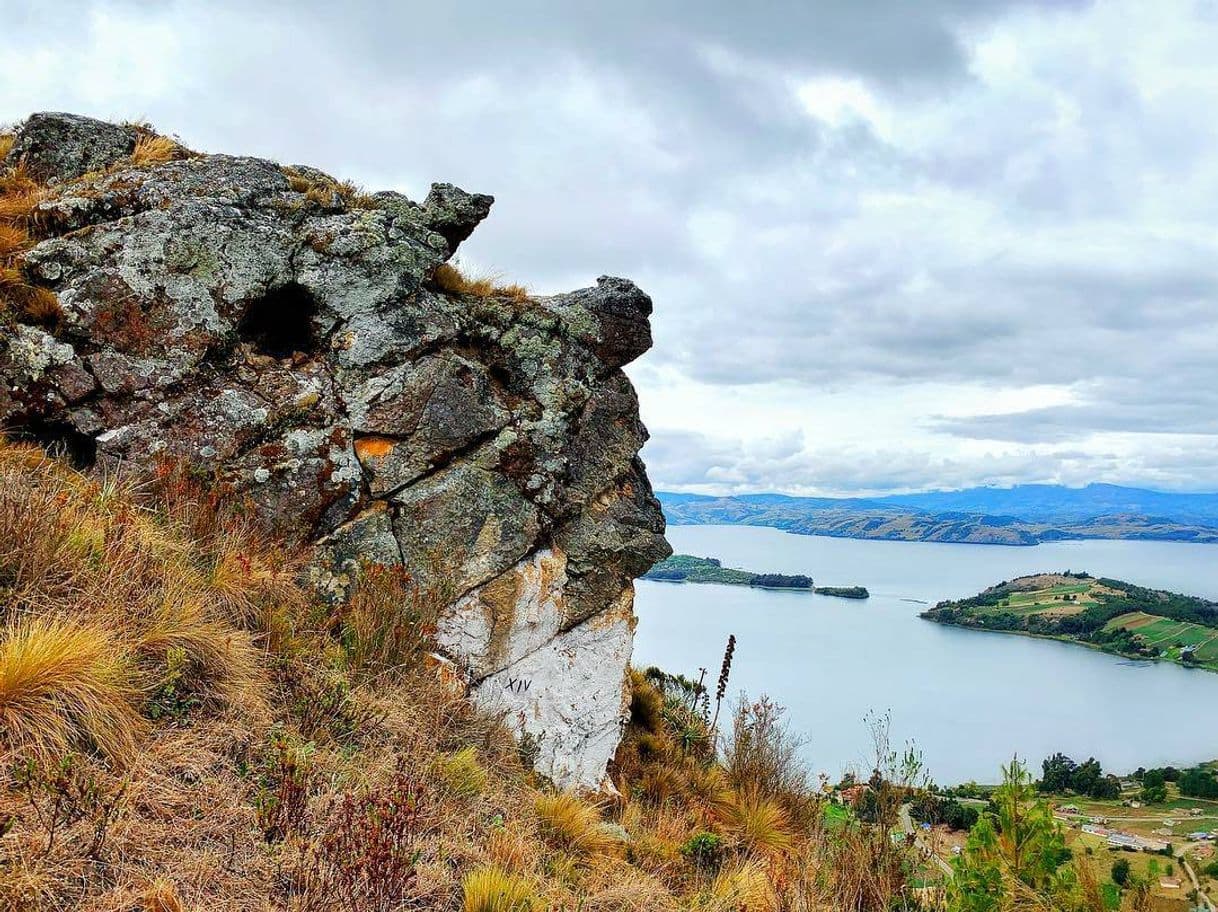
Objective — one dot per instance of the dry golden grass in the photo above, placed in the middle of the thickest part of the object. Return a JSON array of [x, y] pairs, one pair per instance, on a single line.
[[101, 592], [449, 278], [61, 681], [161, 896], [329, 193], [758, 825], [573, 824], [746, 888], [492, 890], [19, 199], [6, 144], [151, 149]]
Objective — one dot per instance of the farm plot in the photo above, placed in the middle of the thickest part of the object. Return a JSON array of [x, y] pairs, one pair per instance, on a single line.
[[1168, 634]]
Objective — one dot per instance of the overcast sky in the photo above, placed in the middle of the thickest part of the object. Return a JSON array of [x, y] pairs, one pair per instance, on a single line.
[[892, 245]]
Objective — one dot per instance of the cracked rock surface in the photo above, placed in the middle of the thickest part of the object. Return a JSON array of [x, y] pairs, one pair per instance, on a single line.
[[294, 344]]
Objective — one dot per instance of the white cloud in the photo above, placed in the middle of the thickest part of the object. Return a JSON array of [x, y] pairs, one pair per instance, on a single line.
[[957, 241]]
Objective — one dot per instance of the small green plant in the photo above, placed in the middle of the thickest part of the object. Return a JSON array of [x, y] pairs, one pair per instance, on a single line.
[[173, 697], [529, 748], [704, 851]]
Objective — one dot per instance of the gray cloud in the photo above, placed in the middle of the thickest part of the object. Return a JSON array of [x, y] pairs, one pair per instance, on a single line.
[[865, 196]]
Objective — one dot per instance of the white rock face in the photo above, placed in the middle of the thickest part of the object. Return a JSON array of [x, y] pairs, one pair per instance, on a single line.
[[504, 620], [565, 689]]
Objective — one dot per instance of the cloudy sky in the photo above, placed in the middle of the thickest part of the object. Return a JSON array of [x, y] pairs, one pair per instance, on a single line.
[[892, 245]]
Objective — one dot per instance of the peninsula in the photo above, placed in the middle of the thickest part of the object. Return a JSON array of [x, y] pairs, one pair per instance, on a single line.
[[1106, 614]]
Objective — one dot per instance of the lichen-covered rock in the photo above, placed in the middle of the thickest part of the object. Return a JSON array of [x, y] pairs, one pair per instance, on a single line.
[[289, 338], [58, 147]]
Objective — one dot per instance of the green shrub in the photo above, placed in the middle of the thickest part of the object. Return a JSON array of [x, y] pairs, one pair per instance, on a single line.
[[704, 851]]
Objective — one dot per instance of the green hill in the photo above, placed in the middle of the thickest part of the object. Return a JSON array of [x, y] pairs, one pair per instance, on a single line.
[[1107, 614]]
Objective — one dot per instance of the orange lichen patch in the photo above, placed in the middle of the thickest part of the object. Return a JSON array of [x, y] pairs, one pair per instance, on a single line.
[[373, 448]]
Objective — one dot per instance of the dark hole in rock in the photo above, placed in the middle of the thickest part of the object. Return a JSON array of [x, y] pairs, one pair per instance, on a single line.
[[59, 439], [280, 323]]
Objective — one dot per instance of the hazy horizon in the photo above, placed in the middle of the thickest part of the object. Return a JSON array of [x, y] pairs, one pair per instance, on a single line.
[[880, 496]]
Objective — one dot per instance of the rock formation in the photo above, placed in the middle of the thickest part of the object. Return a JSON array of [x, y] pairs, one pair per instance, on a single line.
[[287, 334]]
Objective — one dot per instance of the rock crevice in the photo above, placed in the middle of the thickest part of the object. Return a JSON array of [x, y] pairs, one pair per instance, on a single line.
[[273, 327]]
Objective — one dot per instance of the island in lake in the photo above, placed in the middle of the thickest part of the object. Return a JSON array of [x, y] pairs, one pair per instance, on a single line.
[[685, 568], [1107, 614]]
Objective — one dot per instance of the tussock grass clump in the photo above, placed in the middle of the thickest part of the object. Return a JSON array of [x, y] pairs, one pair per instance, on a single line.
[[449, 278], [328, 193], [62, 680], [493, 890], [573, 824], [463, 774], [758, 824], [746, 888], [151, 149]]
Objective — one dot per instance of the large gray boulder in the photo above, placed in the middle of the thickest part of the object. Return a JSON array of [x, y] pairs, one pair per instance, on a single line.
[[58, 147], [274, 330]]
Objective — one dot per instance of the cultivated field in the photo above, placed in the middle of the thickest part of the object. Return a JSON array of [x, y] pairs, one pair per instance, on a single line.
[[1170, 635], [1053, 594]]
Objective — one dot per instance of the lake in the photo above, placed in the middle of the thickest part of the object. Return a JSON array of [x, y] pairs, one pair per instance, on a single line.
[[968, 699]]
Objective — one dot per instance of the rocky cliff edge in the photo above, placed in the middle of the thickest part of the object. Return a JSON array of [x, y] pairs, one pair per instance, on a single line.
[[290, 336]]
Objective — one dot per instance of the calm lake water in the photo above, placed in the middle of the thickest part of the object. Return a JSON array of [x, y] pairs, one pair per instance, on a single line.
[[968, 699]]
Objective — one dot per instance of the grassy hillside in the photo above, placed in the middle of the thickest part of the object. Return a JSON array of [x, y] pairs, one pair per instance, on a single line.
[[184, 726], [1112, 615]]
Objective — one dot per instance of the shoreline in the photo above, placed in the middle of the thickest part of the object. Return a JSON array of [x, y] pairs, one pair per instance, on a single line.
[[1096, 647]]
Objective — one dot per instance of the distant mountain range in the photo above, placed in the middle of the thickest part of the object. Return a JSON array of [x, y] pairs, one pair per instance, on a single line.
[[1021, 515]]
